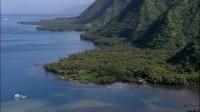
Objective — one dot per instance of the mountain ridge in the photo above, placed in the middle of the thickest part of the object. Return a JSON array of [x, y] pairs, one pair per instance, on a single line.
[[155, 41], [96, 15], [142, 20]]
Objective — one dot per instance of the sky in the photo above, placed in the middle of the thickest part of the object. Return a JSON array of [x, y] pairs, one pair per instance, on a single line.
[[40, 6]]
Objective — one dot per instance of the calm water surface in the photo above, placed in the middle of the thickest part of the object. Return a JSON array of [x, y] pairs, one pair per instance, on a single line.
[[22, 47]]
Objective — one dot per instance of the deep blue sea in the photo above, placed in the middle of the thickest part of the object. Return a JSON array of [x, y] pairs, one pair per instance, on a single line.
[[24, 51]]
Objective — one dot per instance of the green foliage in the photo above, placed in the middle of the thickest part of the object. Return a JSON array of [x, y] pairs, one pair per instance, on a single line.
[[102, 11], [133, 20], [122, 62], [59, 24], [103, 40], [156, 40], [106, 80], [166, 24], [175, 28], [188, 57], [98, 14]]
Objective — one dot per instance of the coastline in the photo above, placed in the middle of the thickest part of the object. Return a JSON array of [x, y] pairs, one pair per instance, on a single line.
[[153, 68], [116, 89], [90, 67]]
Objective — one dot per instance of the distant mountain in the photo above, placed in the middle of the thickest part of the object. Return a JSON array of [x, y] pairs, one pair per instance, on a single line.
[[96, 15], [75, 10]]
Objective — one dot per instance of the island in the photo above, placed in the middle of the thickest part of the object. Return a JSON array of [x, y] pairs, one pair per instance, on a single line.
[[154, 41]]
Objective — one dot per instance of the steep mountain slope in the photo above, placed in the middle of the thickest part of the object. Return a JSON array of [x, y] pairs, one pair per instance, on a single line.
[[135, 18], [189, 57], [164, 24], [98, 14], [102, 11], [167, 29], [154, 23], [175, 28], [74, 10]]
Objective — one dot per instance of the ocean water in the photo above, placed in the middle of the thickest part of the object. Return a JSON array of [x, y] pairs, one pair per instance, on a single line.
[[24, 51]]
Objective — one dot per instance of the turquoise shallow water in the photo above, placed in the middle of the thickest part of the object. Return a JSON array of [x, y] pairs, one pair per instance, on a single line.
[[22, 47]]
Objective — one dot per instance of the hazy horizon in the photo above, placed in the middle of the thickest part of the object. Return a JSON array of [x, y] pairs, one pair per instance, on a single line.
[[42, 6]]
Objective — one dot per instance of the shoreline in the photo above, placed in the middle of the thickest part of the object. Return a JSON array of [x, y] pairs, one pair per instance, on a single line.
[[143, 74], [77, 70]]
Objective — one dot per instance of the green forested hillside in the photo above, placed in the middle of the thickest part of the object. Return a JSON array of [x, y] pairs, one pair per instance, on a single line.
[[175, 28], [156, 40], [133, 20], [102, 11], [188, 57], [98, 14], [155, 24], [124, 63]]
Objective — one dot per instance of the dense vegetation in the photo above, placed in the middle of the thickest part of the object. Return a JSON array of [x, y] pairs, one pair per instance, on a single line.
[[102, 11], [98, 14], [122, 62], [154, 24], [134, 18], [153, 40], [189, 57]]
